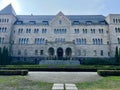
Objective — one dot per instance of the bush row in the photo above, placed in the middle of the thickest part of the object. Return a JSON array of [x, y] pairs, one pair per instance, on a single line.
[[60, 68], [53, 69], [97, 61], [109, 72], [13, 72]]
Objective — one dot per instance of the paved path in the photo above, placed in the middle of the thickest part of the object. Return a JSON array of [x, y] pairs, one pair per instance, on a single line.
[[63, 77]]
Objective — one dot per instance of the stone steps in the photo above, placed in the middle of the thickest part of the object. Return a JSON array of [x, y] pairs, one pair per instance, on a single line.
[[58, 86], [71, 87]]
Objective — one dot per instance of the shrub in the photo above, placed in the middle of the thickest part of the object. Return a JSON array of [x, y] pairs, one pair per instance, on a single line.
[[13, 72], [22, 62], [97, 61], [109, 72]]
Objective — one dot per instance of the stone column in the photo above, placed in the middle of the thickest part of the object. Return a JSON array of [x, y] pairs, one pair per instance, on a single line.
[[64, 54]]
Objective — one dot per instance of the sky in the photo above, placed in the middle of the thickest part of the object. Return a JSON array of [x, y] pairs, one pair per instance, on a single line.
[[68, 7]]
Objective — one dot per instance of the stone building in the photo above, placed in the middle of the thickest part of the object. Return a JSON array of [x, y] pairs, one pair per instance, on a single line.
[[59, 36]]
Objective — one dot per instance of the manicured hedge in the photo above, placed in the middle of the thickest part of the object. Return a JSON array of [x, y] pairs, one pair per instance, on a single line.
[[90, 68], [97, 61], [13, 72], [109, 72]]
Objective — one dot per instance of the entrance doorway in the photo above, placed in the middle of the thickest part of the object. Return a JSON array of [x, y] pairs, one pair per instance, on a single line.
[[60, 53], [68, 52], [51, 51]]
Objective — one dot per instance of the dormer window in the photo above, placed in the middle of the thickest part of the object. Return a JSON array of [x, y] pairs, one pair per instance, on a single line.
[[88, 22], [32, 22], [76, 22], [102, 22], [19, 22], [45, 23]]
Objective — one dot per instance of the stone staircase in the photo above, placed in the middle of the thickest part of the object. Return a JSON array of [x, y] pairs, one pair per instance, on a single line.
[[59, 86]]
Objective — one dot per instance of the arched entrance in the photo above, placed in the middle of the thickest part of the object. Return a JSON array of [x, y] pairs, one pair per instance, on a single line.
[[60, 53], [68, 52], [51, 51]]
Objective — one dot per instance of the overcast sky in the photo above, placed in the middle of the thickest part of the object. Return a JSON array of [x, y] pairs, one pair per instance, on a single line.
[[68, 7]]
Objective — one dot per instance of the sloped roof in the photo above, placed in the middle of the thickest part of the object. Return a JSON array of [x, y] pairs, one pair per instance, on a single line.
[[95, 19], [8, 10]]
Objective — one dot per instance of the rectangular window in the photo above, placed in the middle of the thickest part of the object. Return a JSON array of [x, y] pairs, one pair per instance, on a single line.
[[95, 53], [36, 52], [19, 52], [101, 52], [84, 52], [41, 52], [79, 52]]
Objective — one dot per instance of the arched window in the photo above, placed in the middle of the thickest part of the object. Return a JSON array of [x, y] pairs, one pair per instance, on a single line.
[[113, 20], [93, 41], [118, 40], [101, 41], [116, 30], [116, 21], [98, 42], [0, 40]]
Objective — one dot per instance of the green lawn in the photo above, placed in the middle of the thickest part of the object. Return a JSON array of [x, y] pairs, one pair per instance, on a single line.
[[106, 83], [20, 83]]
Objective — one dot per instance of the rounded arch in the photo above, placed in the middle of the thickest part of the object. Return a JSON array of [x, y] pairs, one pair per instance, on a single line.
[[51, 51], [60, 52], [68, 51]]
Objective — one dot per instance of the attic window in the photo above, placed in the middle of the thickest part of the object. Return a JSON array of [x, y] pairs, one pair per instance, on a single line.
[[76, 22], [88, 22], [32, 22], [19, 22], [45, 23], [102, 22]]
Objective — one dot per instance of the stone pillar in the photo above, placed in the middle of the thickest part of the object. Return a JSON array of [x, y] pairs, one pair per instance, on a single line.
[[64, 54], [55, 50]]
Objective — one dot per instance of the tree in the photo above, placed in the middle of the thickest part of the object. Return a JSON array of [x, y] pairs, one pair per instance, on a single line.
[[117, 55], [0, 55], [7, 56], [4, 56]]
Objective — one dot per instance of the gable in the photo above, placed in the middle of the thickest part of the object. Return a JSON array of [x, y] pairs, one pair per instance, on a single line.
[[60, 20]]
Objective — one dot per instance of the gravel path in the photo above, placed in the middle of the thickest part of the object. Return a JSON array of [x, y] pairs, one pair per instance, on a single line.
[[63, 77]]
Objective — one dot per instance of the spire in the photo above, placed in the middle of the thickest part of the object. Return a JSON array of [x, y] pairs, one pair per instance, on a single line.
[[8, 10]]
